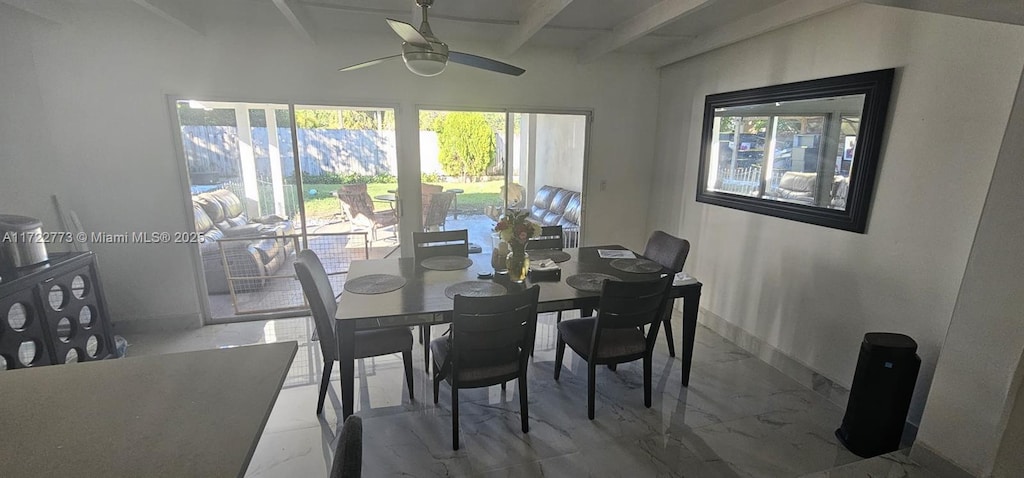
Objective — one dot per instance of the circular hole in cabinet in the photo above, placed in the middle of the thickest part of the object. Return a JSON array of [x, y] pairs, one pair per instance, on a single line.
[[85, 317], [71, 357], [18, 316], [27, 352], [79, 287], [92, 346], [64, 330], [58, 298]]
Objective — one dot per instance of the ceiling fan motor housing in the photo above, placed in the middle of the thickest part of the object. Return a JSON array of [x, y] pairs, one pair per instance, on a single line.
[[425, 62]]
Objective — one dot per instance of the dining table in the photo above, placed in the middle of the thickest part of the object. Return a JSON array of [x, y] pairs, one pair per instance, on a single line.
[[422, 299], [195, 413]]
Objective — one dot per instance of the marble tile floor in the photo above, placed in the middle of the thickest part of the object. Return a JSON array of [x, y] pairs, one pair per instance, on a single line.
[[738, 418]]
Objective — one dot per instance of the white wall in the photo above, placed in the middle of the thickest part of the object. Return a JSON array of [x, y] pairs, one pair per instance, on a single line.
[[975, 396], [810, 291], [85, 114], [560, 151]]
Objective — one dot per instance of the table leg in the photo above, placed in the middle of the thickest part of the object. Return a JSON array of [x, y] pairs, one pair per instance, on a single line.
[[691, 302], [346, 330], [455, 206]]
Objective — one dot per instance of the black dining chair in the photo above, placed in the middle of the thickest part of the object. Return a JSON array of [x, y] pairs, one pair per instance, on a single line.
[[490, 343], [550, 238], [348, 454], [433, 244], [440, 243], [368, 343], [670, 252], [616, 335]]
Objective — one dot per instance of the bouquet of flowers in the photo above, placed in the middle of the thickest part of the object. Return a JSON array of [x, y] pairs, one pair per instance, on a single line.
[[516, 228]]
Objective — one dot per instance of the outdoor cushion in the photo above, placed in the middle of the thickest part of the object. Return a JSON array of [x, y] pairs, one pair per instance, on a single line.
[[577, 334]]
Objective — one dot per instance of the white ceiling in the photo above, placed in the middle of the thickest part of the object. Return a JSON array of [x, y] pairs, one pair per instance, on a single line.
[[667, 30]]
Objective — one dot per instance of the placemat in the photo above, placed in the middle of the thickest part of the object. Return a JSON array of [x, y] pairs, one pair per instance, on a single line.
[[375, 284], [637, 266], [588, 281], [553, 254], [475, 288], [446, 263]]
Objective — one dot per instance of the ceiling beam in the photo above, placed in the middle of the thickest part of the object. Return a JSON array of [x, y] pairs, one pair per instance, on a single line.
[[1002, 11], [173, 12], [645, 22], [51, 10], [297, 18], [757, 23], [538, 14]]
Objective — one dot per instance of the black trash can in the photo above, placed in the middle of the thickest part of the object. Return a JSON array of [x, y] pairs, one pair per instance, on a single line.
[[883, 385]]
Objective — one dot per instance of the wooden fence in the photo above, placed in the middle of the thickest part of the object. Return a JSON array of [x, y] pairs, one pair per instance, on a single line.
[[746, 181]]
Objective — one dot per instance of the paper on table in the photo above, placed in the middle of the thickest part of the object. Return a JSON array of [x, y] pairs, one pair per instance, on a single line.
[[615, 254], [681, 277]]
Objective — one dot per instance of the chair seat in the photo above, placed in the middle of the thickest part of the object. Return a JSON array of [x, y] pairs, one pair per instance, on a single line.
[[370, 343], [500, 363], [577, 334]]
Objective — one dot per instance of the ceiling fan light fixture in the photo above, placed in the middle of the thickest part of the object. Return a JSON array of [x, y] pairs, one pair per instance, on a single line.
[[425, 63]]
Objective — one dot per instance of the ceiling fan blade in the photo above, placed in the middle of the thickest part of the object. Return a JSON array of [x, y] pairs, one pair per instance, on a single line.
[[484, 63], [368, 63], [410, 34]]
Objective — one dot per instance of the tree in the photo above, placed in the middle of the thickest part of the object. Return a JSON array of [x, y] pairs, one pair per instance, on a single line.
[[466, 144]]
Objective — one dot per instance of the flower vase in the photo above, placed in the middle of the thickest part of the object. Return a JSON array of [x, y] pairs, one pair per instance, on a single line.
[[518, 262]]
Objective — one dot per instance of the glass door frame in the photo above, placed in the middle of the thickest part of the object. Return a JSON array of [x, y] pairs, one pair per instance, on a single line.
[[180, 158]]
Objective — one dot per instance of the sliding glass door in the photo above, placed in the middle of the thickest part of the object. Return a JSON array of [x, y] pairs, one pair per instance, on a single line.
[[493, 160], [267, 180]]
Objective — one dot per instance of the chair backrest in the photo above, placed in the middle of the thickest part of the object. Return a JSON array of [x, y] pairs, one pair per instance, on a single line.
[[488, 331], [667, 250], [444, 243], [348, 455], [427, 190], [550, 238], [358, 206], [625, 305], [437, 209], [357, 188], [317, 288]]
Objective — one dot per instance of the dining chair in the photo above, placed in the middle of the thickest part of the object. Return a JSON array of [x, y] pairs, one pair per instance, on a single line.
[[368, 343], [550, 238], [616, 334], [433, 244], [490, 343], [348, 454], [440, 243], [670, 252], [436, 214]]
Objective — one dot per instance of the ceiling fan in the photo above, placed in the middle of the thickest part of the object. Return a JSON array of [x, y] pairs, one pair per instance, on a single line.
[[425, 55]]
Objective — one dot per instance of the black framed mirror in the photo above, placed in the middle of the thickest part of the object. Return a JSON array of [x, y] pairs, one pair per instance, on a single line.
[[805, 151]]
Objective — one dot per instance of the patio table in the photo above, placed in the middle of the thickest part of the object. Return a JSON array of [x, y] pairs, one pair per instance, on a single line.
[[423, 301], [187, 414]]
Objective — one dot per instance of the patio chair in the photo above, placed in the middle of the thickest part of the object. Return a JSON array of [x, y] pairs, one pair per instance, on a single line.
[[437, 211], [427, 190], [516, 200], [670, 252], [316, 286], [616, 335], [359, 209], [490, 343]]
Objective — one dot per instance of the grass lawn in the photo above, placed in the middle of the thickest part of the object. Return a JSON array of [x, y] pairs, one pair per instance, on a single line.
[[476, 197]]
